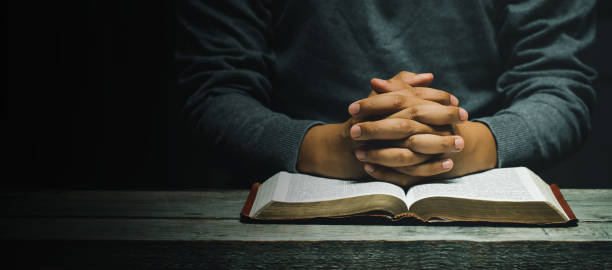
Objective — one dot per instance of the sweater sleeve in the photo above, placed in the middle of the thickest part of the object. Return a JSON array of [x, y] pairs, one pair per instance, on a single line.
[[224, 61], [546, 88]]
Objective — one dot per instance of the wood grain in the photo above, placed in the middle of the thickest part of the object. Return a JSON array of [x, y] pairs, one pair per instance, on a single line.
[[201, 230], [311, 255], [588, 204], [145, 204], [232, 230]]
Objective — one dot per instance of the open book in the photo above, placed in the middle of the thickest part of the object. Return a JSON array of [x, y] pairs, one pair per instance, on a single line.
[[509, 195]]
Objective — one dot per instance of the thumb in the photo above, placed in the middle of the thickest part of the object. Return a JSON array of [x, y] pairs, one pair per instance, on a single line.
[[400, 83]]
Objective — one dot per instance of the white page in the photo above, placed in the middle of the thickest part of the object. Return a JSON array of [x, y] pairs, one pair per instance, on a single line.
[[507, 184], [547, 193], [294, 187], [264, 194]]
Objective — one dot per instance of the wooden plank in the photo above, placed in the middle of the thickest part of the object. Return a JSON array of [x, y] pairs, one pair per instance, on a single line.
[[233, 230], [588, 204], [145, 204], [315, 255]]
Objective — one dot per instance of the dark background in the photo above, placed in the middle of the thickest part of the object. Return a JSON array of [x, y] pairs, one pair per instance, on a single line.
[[88, 101]]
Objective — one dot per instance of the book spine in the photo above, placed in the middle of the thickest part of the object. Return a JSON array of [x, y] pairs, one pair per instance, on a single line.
[[248, 204], [568, 211]]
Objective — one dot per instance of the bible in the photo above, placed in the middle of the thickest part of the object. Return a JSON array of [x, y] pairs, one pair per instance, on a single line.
[[505, 195]]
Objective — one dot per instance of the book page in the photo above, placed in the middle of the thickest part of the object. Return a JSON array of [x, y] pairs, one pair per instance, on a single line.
[[547, 193], [294, 187], [507, 184], [264, 194]]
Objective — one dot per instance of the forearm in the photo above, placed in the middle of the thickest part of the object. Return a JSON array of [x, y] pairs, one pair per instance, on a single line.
[[546, 88], [225, 68], [539, 130], [244, 133]]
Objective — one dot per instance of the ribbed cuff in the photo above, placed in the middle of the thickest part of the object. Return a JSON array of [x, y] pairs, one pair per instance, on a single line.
[[512, 137], [278, 146], [291, 142]]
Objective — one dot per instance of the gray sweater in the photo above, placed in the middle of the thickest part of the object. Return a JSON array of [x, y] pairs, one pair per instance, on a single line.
[[259, 74]]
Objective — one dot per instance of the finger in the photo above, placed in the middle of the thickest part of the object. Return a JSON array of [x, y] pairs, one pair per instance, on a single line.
[[390, 175], [408, 79], [434, 144], [435, 95], [382, 104], [428, 168], [388, 129], [433, 114], [446, 130], [405, 77], [381, 86], [391, 157]]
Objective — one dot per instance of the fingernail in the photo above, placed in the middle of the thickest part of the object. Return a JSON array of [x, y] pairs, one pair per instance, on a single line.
[[447, 164], [454, 100], [360, 155], [354, 108], [463, 115], [355, 131], [426, 74], [369, 168], [459, 143]]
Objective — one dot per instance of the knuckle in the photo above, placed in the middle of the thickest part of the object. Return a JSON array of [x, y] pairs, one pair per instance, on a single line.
[[428, 169], [435, 168], [405, 158], [422, 172], [414, 112], [405, 76], [366, 103], [411, 141], [397, 101], [402, 125], [453, 114], [418, 128], [417, 92], [372, 155], [366, 129], [407, 170], [399, 158], [445, 144], [442, 130], [446, 96], [372, 129]]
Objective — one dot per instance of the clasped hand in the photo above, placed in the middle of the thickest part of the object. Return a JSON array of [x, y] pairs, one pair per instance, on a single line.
[[402, 133]]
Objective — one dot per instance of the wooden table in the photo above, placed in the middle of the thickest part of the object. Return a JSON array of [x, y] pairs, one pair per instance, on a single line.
[[201, 229]]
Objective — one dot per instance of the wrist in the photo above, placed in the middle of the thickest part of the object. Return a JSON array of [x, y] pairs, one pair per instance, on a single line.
[[309, 153], [328, 150], [318, 147], [480, 151]]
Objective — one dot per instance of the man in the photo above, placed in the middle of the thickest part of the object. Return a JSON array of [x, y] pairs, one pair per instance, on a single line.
[[273, 84]]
